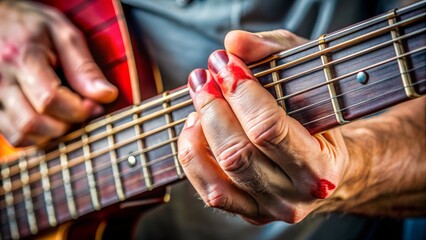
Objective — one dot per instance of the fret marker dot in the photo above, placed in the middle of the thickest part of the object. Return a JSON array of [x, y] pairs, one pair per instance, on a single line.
[[362, 77], [131, 160]]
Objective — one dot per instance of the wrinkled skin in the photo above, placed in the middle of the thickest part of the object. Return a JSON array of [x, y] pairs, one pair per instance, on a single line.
[[35, 40]]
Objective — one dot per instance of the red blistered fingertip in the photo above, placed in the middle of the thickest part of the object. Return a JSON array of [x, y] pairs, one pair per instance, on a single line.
[[213, 89]]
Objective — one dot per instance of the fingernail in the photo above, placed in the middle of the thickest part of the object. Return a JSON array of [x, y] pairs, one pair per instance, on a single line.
[[190, 121], [197, 79], [218, 60], [103, 85]]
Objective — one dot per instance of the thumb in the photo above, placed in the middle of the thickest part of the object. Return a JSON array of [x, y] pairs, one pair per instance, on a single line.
[[81, 71], [251, 47]]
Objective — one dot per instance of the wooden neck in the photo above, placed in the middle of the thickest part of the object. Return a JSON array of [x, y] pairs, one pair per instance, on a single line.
[[132, 151]]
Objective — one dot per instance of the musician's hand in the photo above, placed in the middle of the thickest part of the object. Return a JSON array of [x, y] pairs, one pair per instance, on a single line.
[[241, 151], [35, 40]]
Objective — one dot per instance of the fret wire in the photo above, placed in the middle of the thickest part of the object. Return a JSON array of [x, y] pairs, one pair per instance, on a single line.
[[365, 101], [161, 171], [354, 72], [77, 160], [10, 210], [342, 59], [67, 181], [172, 134], [341, 45], [402, 62], [113, 156], [331, 88], [353, 90], [81, 175], [143, 156], [119, 116], [100, 123], [89, 171], [278, 88], [184, 90], [26, 190], [376, 97], [135, 109], [318, 119], [47, 194], [330, 37]]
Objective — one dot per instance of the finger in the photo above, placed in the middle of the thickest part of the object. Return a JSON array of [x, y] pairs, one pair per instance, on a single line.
[[236, 155], [43, 90], [202, 170], [251, 47], [25, 127], [277, 135], [80, 69]]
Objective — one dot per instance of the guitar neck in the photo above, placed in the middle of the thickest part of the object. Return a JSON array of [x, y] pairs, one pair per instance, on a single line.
[[328, 82]]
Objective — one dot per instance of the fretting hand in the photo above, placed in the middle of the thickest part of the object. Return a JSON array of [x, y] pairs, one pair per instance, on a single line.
[[34, 106], [242, 152]]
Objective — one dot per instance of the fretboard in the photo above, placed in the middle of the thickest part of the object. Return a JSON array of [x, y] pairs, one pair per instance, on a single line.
[[331, 81]]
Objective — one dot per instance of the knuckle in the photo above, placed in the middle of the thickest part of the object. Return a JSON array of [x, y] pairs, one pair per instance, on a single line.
[[294, 214], [47, 100], [206, 103], [215, 197], [186, 156], [26, 125], [285, 34], [19, 140], [71, 35], [86, 66], [267, 128], [235, 156]]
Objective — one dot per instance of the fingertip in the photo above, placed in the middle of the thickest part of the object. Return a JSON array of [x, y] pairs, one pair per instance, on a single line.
[[98, 90], [241, 44], [103, 91]]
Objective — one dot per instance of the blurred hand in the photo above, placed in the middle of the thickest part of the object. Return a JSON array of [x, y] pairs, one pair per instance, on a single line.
[[34, 106], [240, 150]]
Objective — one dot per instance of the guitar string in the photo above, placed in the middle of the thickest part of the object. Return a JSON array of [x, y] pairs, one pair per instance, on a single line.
[[339, 78], [131, 124], [338, 46], [97, 137], [133, 169], [342, 33], [342, 59]]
